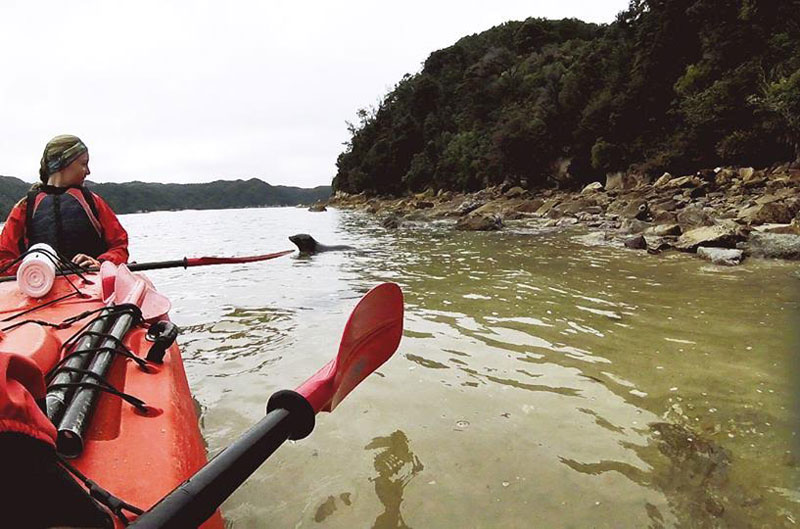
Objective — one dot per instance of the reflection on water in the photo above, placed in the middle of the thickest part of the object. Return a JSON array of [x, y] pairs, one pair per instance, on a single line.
[[396, 466], [544, 383]]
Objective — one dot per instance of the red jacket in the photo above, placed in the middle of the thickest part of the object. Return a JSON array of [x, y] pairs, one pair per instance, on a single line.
[[115, 236]]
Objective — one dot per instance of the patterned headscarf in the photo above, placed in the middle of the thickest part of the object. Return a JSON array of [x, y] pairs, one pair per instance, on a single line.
[[59, 153]]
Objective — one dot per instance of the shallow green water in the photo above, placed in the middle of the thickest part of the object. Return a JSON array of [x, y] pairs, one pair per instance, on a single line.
[[539, 383]]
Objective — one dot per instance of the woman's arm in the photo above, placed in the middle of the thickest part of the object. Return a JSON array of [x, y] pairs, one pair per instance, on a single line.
[[13, 231], [115, 235]]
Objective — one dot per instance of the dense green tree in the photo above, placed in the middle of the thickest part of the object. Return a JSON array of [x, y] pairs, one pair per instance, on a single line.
[[670, 85]]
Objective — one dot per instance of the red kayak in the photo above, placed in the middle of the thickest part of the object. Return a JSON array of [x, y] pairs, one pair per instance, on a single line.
[[97, 423], [133, 454]]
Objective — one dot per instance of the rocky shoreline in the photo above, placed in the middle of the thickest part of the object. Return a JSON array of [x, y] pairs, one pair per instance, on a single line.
[[723, 215]]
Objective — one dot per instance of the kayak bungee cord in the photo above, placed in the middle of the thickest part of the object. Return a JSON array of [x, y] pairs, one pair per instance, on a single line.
[[57, 260], [113, 503], [66, 375], [146, 305]]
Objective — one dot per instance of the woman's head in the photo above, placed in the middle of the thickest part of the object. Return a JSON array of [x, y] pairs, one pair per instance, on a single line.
[[67, 155]]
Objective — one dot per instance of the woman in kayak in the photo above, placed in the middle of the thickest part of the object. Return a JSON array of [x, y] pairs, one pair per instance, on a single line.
[[59, 211]]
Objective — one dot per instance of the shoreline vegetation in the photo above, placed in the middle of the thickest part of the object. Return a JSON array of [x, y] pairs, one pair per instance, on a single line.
[[557, 123], [723, 215], [141, 197], [669, 86]]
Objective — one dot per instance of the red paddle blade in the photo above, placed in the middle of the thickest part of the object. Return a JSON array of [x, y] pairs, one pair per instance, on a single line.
[[370, 338], [200, 261]]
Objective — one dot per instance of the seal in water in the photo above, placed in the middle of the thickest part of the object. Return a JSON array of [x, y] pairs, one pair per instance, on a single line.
[[308, 245]]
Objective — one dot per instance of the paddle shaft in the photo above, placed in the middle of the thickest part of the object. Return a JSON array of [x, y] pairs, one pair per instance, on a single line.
[[196, 499], [186, 262], [56, 399]]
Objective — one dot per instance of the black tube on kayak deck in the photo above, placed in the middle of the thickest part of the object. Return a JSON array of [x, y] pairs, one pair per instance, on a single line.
[[79, 411], [290, 416], [56, 400]]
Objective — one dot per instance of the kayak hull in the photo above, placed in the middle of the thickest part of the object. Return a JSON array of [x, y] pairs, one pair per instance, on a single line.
[[138, 457]]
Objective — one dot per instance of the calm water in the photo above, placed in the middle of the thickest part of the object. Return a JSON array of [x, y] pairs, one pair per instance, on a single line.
[[540, 383]]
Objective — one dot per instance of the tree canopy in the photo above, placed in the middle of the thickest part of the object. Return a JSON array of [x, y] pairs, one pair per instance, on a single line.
[[670, 85]]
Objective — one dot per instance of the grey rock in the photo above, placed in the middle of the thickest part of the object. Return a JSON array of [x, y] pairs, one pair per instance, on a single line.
[[633, 226], [663, 230], [392, 222], [479, 223], [545, 208], [662, 180], [580, 204], [692, 216], [656, 244], [529, 206], [468, 206], [514, 192], [770, 212], [723, 235], [773, 245], [594, 187], [636, 243], [721, 256]]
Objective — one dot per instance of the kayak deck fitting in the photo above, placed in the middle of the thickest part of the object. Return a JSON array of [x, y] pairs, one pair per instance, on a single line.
[[137, 456]]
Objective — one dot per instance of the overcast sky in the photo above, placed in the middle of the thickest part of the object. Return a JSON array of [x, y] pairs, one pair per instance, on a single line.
[[194, 91]]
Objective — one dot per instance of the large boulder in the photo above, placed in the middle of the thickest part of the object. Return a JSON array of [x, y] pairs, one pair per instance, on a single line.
[[721, 256], [477, 222], [514, 192], [529, 206], [725, 177], [663, 230], [683, 182], [621, 181], [594, 187], [579, 204], [752, 178], [469, 205], [693, 216], [662, 180], [667, 204], [773, 245], [723, 235], [793, 228], [545, 208], [636, 242], [774, 212], [633, 226], [391, 222]]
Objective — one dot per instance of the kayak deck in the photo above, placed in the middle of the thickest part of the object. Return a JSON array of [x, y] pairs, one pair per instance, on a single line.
[[138, 457]]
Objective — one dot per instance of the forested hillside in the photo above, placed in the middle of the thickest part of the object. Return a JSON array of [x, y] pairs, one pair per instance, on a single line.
[[672, 85], [132, 197]]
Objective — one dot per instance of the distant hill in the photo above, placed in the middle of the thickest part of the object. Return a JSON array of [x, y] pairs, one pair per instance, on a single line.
[[132, 197]]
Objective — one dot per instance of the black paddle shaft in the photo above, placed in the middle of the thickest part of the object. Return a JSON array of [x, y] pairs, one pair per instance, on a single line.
[[289, 416], [157, 265]]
